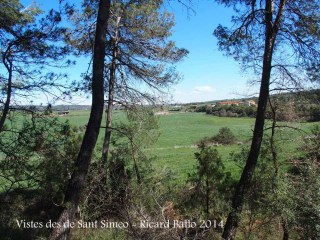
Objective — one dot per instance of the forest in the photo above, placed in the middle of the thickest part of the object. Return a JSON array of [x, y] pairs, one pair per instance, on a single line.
[[134, 166]]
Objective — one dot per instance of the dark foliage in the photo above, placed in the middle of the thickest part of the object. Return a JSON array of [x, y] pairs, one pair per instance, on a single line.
[[35, 165], [225, 136], [233, 111]]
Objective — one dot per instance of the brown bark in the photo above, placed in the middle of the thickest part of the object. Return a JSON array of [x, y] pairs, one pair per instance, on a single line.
[[207, 195], [107, 136], [133, 152], [77, 181], [285, 228], [8, 65], [136, 169], [272, 138], [271, 30]]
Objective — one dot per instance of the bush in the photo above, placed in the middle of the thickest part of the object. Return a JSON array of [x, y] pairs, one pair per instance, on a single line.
[[208, 178], [201, 108], [233, 111], [209, 192], [36, 160], [225, 136]]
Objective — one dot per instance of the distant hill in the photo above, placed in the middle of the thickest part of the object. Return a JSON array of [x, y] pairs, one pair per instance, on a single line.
[[71, 107], [54, 108], [304, 97]]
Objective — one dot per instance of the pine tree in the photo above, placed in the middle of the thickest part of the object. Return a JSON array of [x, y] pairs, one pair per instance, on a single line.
[[28, 46], [139, 56], [279, 40]]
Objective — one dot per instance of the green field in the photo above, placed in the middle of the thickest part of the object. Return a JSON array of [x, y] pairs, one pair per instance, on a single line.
[[173, 156], [180, 132]]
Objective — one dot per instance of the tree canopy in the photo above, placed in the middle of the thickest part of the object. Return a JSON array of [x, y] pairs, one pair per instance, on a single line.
[[296, 55], [279, 40], [144, 53], [29, 50]]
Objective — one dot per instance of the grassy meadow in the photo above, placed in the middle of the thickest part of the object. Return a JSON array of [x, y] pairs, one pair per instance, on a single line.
[[173, 157], [180, 132]]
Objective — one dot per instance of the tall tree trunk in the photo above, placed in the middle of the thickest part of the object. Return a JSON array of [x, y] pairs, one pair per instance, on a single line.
[[271, 30], [107, 136], [6, 106], [272, 140], [284, 222], [207, 195], [285, 228], [133, 153], [78, 178]]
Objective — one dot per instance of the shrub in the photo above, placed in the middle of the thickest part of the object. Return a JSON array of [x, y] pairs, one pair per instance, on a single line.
[[225, 136], [201, 108], [233, 111], [209, 192]]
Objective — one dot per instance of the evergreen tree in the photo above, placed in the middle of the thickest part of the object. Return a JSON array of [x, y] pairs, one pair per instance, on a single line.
[[28, 47], [279, 40], [139, 50], [139, 54], [209, 178], [76, 183]]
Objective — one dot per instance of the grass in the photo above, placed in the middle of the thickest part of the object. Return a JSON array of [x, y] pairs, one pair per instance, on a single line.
[[188, 128], [98, 234], [180, 132], [175, 148]]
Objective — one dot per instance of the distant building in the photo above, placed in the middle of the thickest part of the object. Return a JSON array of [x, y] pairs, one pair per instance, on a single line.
[[237, 103]]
